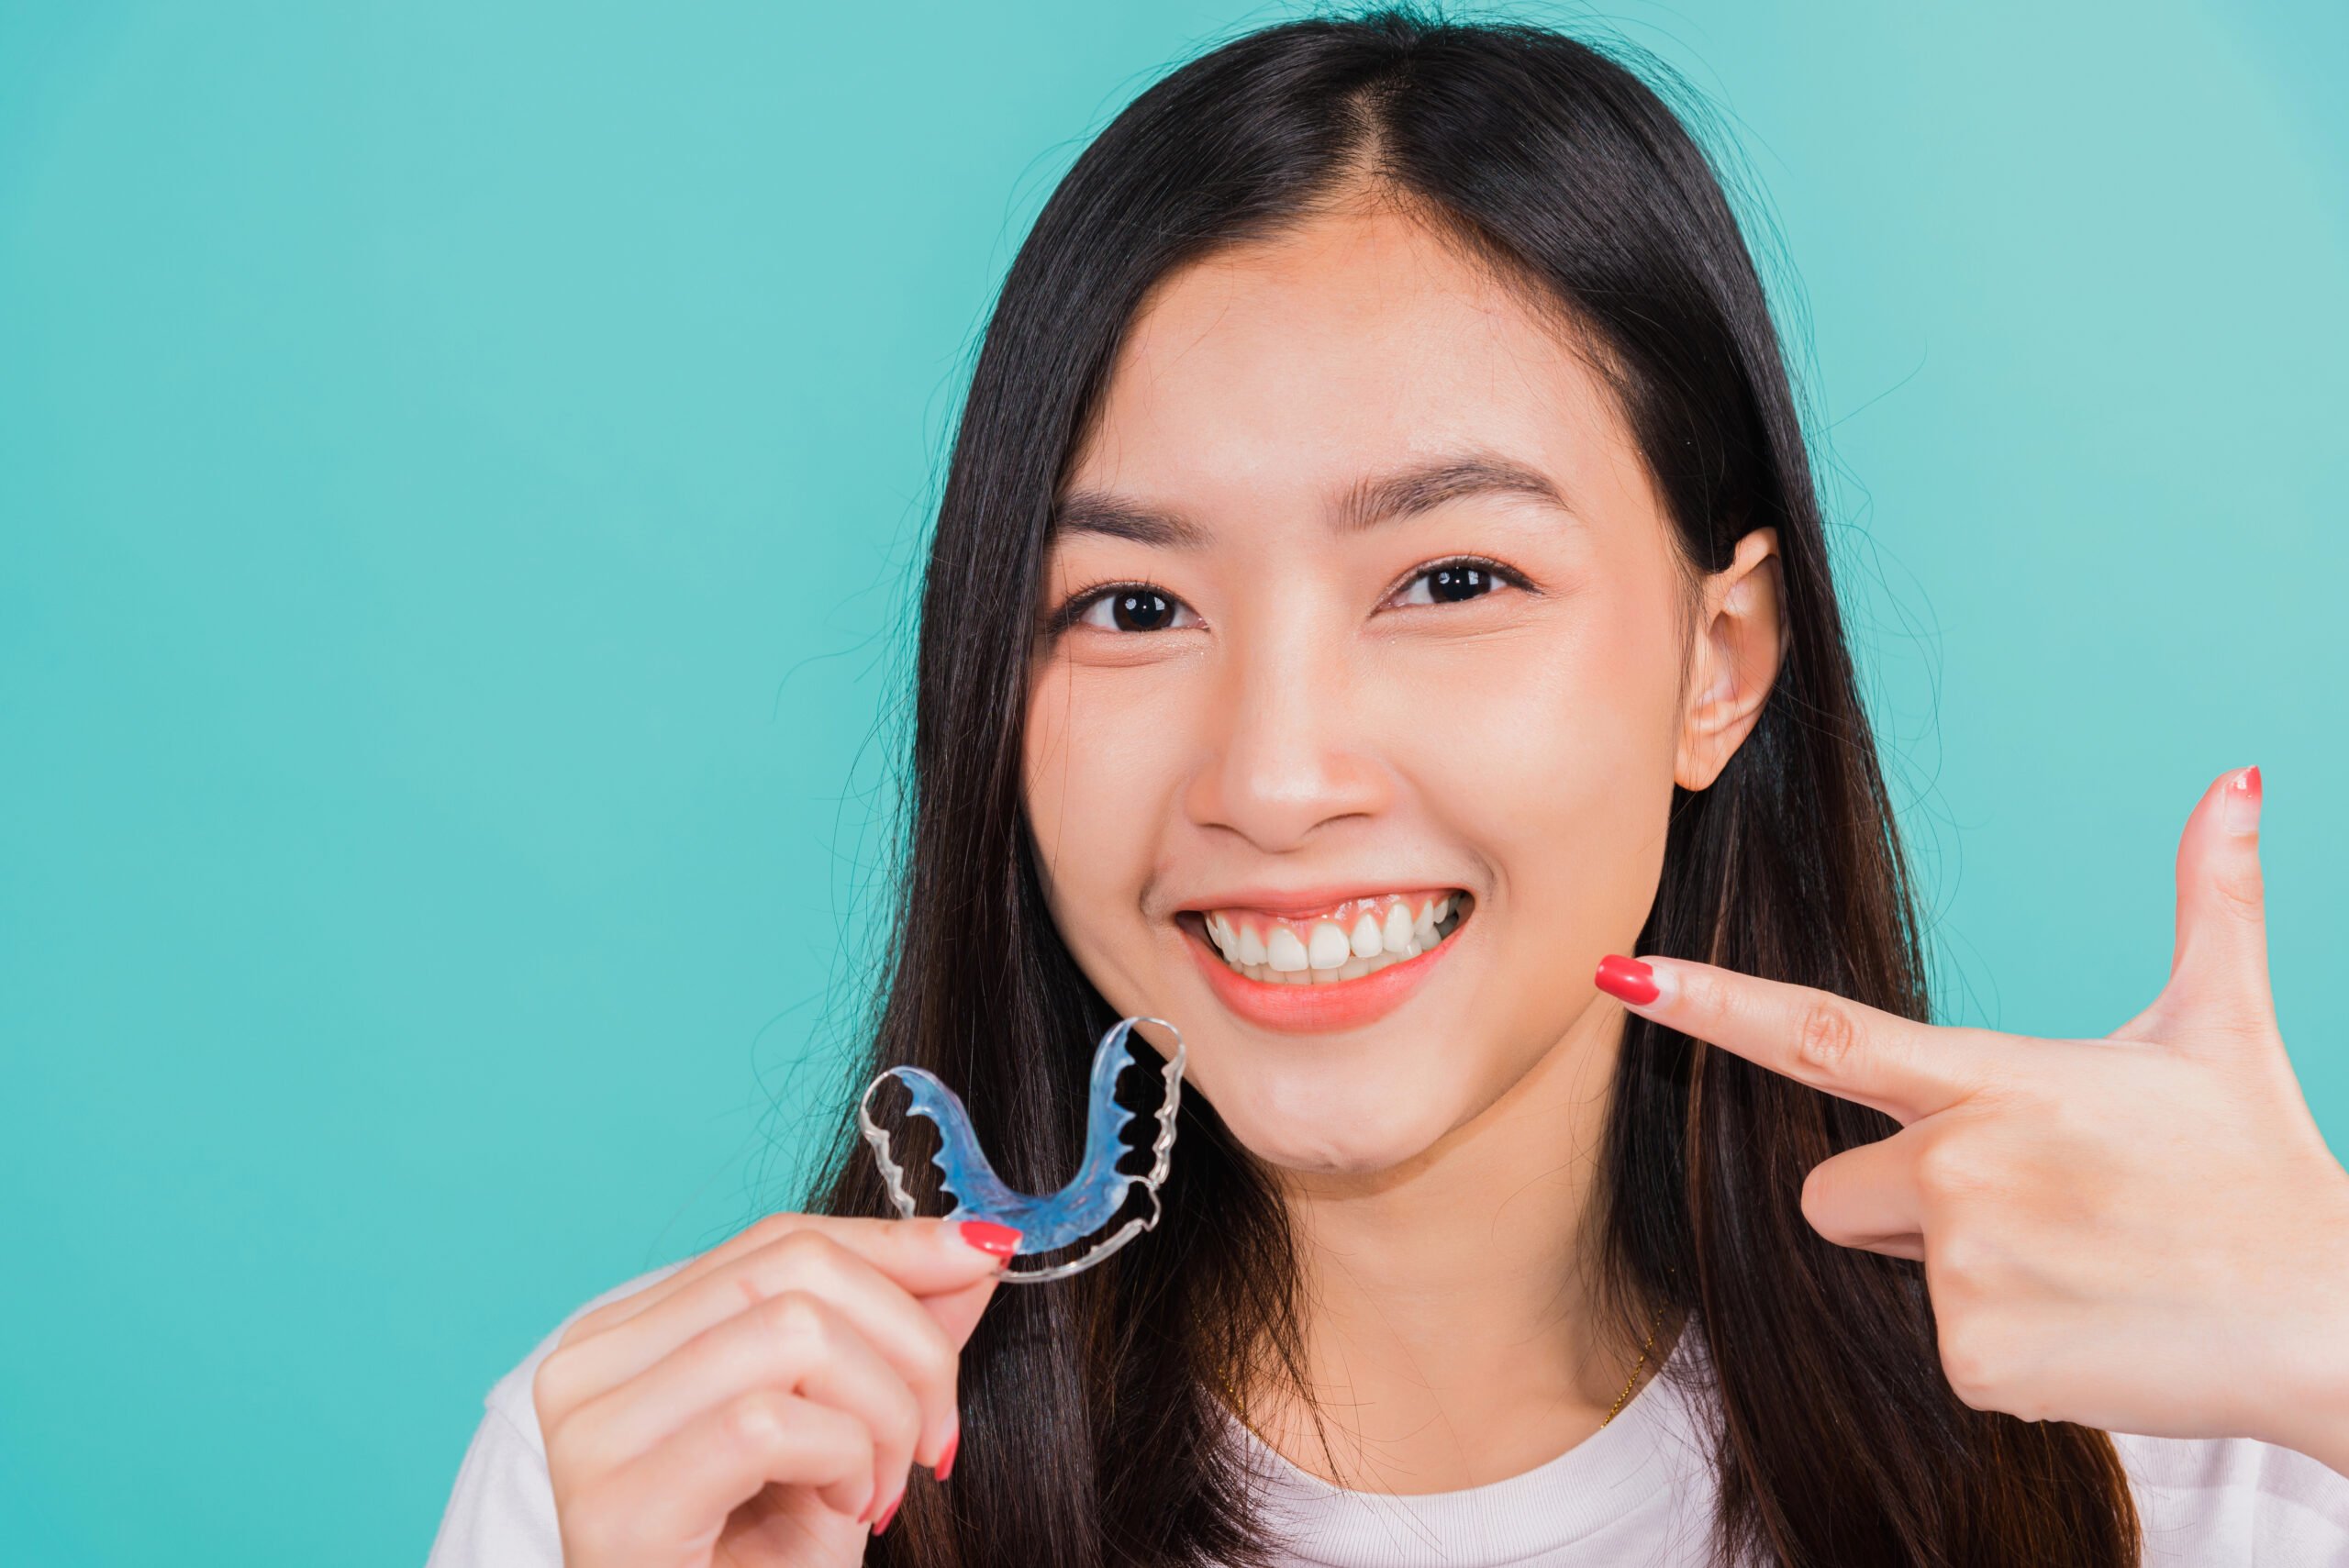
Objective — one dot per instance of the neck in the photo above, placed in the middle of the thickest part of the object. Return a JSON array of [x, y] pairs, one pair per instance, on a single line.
[[1454, 1335]]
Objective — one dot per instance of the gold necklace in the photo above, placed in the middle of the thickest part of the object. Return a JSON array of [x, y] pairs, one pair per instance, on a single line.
[[1633, 1381]]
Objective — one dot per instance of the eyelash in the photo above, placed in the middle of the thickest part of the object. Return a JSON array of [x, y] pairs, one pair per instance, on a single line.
[[1083, 604], [1500, 574]]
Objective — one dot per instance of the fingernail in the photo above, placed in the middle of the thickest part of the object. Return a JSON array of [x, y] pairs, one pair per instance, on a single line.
[[1627, 980], [2242, 802], [887, 1514], [945, 1465], [999, 1241]]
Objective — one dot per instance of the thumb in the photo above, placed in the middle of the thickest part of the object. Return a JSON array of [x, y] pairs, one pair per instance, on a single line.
[[936, 1268], [2219, 968], [958, 1311]]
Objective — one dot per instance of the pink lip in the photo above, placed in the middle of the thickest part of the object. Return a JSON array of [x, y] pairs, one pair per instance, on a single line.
[[1315, 1009]]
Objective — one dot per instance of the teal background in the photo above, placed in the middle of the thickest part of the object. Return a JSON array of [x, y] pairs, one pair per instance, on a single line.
[[461, 466]]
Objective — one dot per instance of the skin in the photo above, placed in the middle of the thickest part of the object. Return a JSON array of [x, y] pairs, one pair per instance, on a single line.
[[1311, 734], [2144, 1233]]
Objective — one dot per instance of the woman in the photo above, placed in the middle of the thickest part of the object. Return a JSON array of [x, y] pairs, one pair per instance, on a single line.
[[1380, 511]]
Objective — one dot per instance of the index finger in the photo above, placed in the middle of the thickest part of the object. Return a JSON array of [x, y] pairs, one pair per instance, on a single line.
[[1904, 1069], [928, 1259]]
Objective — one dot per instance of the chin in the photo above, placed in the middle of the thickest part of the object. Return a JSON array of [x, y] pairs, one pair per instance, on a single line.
[[1360, 1126]]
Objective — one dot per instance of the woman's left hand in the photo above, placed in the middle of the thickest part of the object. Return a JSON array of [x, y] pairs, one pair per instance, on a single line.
[[2144, 1233]]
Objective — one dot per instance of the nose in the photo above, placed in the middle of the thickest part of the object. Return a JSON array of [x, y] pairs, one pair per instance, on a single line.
[[1289, 754]]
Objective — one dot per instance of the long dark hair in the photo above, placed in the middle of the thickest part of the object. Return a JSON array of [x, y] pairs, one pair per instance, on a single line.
[[1093, 1409]]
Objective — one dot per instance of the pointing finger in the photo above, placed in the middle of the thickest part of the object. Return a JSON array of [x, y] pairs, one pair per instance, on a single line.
[[1906, 1070]]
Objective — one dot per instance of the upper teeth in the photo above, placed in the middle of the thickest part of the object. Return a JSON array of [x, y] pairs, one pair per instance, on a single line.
[[1326, 946]]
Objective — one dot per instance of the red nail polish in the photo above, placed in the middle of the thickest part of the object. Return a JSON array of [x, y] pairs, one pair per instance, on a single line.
[[945, 1465], [999, 1240], [887, 1514], [1627, 980]]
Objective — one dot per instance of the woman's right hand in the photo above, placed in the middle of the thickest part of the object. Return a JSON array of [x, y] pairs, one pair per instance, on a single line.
[[764, 1404]]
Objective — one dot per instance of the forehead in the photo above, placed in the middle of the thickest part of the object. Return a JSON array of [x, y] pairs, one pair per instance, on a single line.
[[1358, 340]]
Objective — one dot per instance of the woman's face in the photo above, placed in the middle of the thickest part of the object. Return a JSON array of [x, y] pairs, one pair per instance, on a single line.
[[1361, 601]]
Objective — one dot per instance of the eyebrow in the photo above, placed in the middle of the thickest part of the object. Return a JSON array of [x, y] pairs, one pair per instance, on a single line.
[[1091, 512], [1425, 486], [1405, 493]]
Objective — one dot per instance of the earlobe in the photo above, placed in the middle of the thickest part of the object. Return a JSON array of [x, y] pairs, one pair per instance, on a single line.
[[1740, 642]]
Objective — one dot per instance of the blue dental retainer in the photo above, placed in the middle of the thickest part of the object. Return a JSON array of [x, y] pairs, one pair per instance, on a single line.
[[1092, 1198]]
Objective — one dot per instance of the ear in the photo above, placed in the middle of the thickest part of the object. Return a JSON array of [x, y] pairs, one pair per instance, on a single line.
[[1740, 638]]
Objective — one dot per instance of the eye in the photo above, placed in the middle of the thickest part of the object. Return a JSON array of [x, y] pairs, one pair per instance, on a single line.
[[1454, 583], [1136, 606]]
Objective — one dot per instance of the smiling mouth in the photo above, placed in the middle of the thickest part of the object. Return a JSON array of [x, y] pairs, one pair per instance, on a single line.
[[1346, 942]]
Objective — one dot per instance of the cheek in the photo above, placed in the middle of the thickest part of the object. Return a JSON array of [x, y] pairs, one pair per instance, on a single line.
[[1044, 782], [1554, 752], [1090, 773]]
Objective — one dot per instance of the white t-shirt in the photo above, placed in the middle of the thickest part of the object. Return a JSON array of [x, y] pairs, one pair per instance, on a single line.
[[1638, 1493]]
